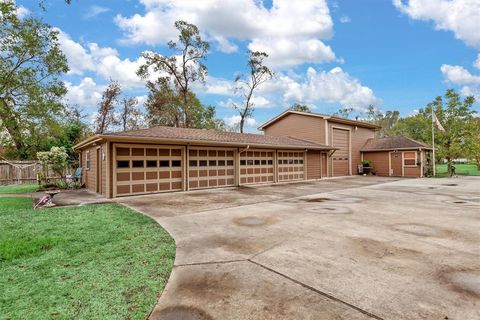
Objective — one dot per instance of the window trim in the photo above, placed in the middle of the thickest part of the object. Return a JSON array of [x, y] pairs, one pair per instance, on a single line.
[[87, 160], [404, 158]]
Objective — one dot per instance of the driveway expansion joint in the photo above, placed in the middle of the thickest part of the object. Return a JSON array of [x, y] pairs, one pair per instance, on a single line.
[[306, 286], [209, 262]]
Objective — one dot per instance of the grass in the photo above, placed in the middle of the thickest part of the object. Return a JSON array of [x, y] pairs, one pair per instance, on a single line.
[[460, 169], [91, 262], [18, 188]]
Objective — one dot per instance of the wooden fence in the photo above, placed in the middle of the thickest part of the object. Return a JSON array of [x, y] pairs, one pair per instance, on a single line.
[[17, 172]]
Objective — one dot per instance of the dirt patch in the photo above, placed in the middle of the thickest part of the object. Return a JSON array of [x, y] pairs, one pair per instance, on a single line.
[[212, 285], [238, 245], [379, 249], [419, 230], [318, 200], [462, 281], [329, 210], [180, 313], [254, 221], [450, 184]]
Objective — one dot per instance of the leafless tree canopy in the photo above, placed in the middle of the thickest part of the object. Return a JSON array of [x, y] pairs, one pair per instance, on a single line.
[[106, 108]]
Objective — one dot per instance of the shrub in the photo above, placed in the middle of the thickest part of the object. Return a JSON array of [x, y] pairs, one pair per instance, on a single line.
[[367, 163]]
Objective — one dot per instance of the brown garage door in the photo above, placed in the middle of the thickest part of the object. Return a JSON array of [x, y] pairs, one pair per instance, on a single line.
[[314, 164], [256, 166], [290, 165], [209, 168], [145, 169], [340, 158]]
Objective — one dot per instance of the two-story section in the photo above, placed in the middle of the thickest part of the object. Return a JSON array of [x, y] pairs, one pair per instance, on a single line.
[[345, 135]]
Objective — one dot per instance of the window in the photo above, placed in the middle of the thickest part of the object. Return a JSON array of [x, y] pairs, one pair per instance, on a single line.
[[280, 161], [250, 162], [230, 162], [212, 163], [202, 163], [87, 160], [123, 164], [264, 162], [193, 163], [409, 159], [300, 161], [221, 163], [151, 163], [176, 163], [270, 162], [242, 162], [137, 164], [164, 163], [295, 161], [257, 162]]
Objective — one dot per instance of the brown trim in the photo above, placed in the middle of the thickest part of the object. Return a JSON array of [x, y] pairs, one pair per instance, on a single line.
[[395, 149]]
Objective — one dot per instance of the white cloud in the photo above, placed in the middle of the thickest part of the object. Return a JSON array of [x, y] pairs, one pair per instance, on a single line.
[[103, 61], [22, 12], [476, 64], [267, 29], [78, 58], [86, 93], [345, 19], [235, 120], [94, 11], [459, 16], [458, 75]]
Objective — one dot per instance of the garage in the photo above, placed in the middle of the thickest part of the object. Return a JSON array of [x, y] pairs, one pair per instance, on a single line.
[[341, 157], [291, 165], [142, 169], [257, 166], [211, 168]]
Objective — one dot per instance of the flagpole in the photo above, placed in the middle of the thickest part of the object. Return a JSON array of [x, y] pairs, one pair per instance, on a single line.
[[433, 145]]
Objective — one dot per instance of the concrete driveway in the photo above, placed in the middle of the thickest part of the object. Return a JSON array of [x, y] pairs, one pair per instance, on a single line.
[[350, 248]]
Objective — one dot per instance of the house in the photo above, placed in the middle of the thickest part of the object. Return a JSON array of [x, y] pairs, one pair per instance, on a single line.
[[295, 146], [397, 156]]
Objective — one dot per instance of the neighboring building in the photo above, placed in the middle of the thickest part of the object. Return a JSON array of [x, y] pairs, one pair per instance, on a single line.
[[295, 146], [397, 156]]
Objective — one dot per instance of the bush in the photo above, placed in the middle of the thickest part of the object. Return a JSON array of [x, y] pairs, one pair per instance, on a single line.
[[367, 163]]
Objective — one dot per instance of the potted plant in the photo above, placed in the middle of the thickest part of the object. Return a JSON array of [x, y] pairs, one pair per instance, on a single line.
[[367, 166]]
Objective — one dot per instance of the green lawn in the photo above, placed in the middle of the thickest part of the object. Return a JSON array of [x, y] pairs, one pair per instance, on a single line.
[[460, 169], [91, 262], [19, 188]]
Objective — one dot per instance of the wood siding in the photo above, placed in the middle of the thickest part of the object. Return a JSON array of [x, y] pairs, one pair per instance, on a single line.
[[380, 162], [299, 126]]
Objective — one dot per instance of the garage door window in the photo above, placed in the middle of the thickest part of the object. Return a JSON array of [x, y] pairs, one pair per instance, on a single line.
[[123, 164]]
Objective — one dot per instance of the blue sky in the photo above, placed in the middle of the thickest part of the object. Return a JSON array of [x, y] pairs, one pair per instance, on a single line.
[[327, 54]]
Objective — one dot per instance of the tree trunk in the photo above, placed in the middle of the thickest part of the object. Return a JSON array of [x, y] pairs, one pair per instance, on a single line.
[[242, 122], [478, 163], [449, 165]]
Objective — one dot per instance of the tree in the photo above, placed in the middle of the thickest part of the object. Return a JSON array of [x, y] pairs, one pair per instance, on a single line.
[[343, 112], [106, 108], [179, 71], [300, 108], [56, 159], [162, 110], [473, 149], [130, 116], [258, 73], [31, 90]]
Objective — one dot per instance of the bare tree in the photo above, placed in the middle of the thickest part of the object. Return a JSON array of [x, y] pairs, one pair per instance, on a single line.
[[130, 116], [181, 69], [258, 73], [106, 108]]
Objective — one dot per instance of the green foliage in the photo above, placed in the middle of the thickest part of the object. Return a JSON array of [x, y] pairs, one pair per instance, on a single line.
[[31, 90], [460, 169], [367, 163], [473, 148], [88, 262], [170, 94], [56, 160], [300, 107]]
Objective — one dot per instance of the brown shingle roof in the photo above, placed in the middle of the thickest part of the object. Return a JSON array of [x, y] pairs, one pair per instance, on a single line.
[[216, 137], [393, 143]]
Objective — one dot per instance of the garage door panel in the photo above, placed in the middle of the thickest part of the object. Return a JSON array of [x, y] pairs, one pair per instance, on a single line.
[[291, 165], [256, 166], [144, 169], [211, 167]]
